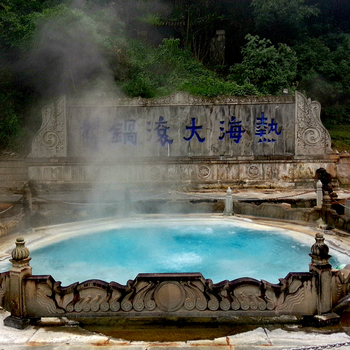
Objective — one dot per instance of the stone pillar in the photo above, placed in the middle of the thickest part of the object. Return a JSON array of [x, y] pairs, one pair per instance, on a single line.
[[228, 203], [19, 270], [323, 270], [326, 207], [347, 207], [319, 193]]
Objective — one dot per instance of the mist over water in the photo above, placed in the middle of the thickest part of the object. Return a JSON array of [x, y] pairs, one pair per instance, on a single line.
[[220, 251]]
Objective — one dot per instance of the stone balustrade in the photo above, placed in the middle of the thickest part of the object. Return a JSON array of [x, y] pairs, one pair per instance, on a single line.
[[311, 295]]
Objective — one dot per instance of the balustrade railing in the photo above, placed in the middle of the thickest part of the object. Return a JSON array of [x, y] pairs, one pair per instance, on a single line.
[[310, 294]]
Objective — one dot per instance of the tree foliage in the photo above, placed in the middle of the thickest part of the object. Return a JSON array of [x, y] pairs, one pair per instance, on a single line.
[[160, 71], [282, 20], [52, 47], [267, 67], [195, 22]]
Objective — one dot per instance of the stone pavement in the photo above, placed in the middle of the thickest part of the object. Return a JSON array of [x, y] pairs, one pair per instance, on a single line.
[[63, 334]]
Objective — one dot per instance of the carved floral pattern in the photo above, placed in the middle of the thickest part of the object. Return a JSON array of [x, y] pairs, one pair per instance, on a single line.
[[253, 171], [203, 171]]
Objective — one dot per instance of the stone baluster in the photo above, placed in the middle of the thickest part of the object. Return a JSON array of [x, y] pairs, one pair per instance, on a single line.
[[228, 203], [327, 202], [319, 193], [19, 270], [321, 267]]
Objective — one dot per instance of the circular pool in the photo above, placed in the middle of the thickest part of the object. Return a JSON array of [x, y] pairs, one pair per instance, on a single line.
[[219, 248]]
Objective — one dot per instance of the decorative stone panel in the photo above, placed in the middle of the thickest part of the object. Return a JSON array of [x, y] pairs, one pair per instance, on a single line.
[[180, 294], [51, 140], [312, 138]]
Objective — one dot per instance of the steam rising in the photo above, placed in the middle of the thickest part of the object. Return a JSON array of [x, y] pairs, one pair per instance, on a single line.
[[70, 56], [66, 57]]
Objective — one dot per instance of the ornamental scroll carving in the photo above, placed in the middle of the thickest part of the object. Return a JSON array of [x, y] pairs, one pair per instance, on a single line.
[[183, 294], [51, 140], [341, 284], [312, 138]]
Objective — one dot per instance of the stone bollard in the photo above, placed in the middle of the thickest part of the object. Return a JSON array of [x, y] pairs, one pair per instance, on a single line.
[[228, 203], [321, 267], [19, 270], [319, 193]]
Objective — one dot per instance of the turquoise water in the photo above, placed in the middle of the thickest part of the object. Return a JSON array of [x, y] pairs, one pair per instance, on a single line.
[[218, 250]]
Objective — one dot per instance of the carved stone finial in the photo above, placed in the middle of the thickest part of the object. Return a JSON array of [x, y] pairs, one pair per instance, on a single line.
[[20, 252], [319, 251]]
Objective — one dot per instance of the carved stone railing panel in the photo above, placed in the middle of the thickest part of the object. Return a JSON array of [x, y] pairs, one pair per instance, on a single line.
[[181, 294], [315, 293], [341, 284], [312, 138], [51, 140]]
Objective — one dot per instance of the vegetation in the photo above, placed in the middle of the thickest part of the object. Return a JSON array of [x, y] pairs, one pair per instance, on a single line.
[[268, 68], [52, 47]]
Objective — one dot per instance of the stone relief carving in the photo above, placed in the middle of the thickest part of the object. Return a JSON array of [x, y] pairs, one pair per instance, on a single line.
[[253, 171], [51, 139], [203, 171], [341, 283], [155, 173], [312, 137], [170, 293], [43, 298]]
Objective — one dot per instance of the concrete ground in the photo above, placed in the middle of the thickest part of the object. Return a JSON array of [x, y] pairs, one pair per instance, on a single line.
[[60, 334], [64, 334]]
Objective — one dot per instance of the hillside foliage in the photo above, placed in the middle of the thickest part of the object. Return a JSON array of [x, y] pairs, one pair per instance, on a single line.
[[151, 48]]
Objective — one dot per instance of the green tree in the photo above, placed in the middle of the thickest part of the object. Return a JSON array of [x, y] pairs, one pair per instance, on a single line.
[[49, 51], [195, 22], [267, 67], [16, 19], [282, 20], [16, 26], [168, 68], [323, 68]]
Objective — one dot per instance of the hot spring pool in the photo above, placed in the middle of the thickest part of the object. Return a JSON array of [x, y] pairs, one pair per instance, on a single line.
[[220, 249]]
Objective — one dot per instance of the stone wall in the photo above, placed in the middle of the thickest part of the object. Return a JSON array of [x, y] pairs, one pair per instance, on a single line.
[[13, 174], [276, 211], [193, 142]]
